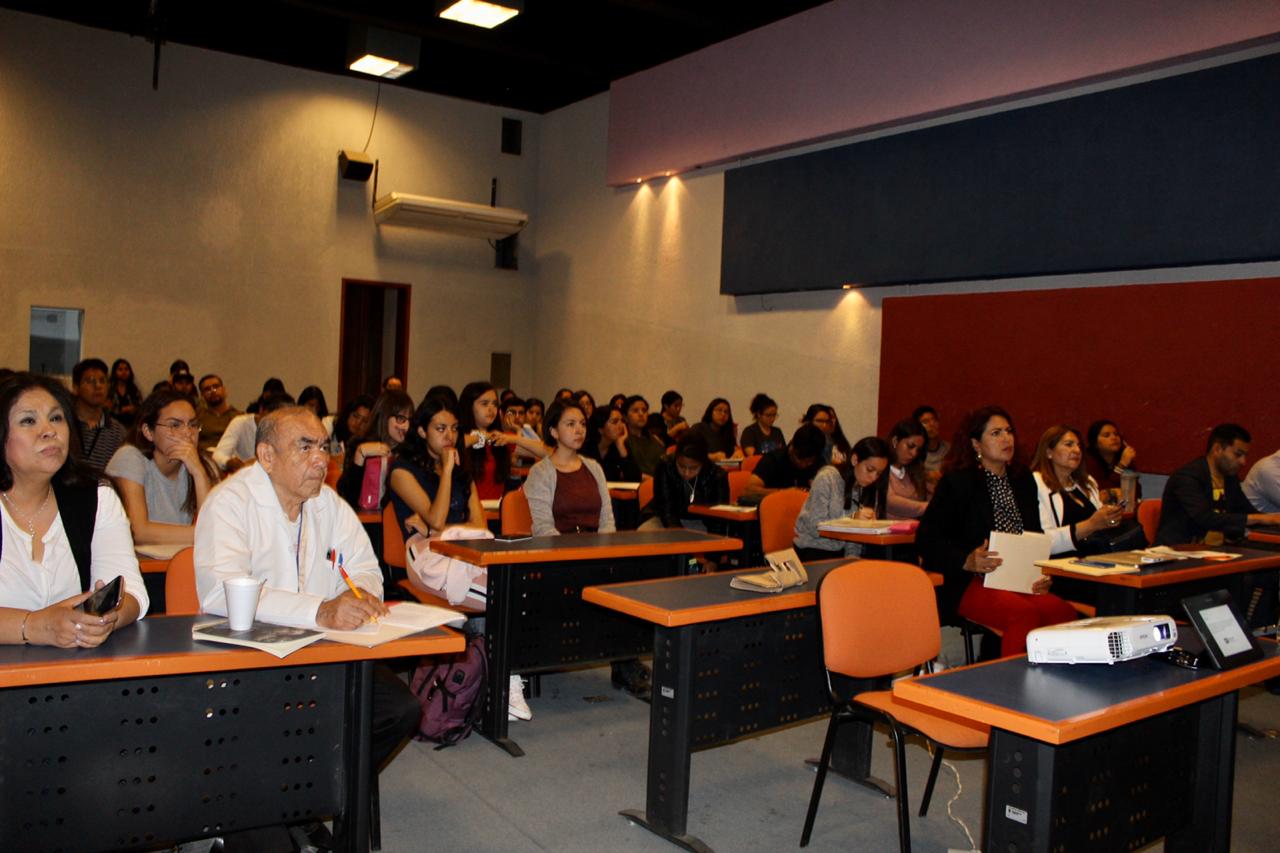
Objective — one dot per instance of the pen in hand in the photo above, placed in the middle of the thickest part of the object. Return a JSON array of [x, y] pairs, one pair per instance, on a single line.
[[355, 590]]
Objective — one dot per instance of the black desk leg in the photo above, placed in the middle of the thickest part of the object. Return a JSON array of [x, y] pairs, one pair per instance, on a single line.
[[666, 811], [1209, 830], [497, 629], [351, 827]]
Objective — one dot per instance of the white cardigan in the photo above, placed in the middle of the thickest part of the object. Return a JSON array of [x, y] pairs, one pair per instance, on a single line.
[[1051, 510]]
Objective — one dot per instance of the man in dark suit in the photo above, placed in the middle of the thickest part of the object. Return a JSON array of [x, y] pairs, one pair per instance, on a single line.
[[1203, 502]]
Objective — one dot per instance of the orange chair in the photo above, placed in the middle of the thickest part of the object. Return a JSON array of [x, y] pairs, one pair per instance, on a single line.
[[737, 482], [1149, 518], [778, 513], [516, 518], [749, 464], [644, 494], [180, 596], [880, 618], [393, 539], [333, 473]]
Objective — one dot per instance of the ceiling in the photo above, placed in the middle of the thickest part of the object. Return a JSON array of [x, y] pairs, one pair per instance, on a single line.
[[554, 53]]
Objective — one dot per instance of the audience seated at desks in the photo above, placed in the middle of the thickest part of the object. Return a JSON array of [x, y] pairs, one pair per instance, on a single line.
[[160, 473], [836, 447], [235, 448], [62, 535], [840, 491], [793, 466], [100, 434], [762, 436], [686, 477], [718, 431], [1071, 509], [907, 483], [388, 425], [642, 445], [123, 398], [984, 488], [936, 447], [216, 413], [1108, 458]]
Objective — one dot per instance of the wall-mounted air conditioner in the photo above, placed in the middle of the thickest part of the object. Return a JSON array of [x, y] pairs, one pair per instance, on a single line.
[[453, 217]]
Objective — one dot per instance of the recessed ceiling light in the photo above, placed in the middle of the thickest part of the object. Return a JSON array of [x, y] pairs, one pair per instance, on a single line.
[[479, 13], [382, 53]]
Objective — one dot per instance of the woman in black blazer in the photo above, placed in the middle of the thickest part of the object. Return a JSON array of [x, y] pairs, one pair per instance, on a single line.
[[985, 488]]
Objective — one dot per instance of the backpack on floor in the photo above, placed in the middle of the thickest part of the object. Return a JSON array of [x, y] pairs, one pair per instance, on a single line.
[[451, 692]]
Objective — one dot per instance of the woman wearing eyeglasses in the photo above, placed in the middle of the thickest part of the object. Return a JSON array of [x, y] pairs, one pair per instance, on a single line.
[[984, 488], [388, 426], [160, 473]]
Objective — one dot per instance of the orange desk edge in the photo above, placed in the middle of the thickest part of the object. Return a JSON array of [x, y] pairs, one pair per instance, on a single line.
[[1170, 575], [459, 550], [869, 538]]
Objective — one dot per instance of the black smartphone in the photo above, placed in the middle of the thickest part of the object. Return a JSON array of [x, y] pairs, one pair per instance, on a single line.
[[104, 600]]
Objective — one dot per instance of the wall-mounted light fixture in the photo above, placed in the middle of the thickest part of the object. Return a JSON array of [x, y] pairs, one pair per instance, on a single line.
[[479, 13], [382, 53]]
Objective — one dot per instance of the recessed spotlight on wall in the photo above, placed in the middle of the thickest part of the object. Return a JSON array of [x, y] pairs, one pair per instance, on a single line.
[[382, 53], [479, 13]]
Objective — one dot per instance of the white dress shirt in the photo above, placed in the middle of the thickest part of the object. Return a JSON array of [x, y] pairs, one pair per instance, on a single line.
[[242, 530], [239, 441], [1052, 509], [28, 585]]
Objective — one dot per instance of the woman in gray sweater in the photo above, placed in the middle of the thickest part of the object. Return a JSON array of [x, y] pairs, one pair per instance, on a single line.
[[841, 491]]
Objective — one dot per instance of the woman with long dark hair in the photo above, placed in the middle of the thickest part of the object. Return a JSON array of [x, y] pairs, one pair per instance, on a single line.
[[983, 488], [388, 425], [427, 478], [123, 398], [644, 448], [64, 534], [719, 431], [484, 447], [762, 436], [1108, 457], [846, 489], [1071, 510], [160, 473], [824, 418], [907, 481]]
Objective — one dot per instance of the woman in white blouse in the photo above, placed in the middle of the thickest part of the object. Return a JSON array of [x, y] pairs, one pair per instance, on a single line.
[[57, 526]]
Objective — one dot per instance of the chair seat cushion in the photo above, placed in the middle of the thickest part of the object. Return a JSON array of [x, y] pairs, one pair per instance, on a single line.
[[943, 728]]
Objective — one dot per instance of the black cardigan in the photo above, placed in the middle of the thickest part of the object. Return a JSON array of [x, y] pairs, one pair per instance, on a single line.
[[958, 519], [669, 502]]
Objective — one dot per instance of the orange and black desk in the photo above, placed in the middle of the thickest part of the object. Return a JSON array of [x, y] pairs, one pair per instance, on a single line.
[[1269, 536], [887, 541], [154, 738], [1098, 757], [535, 620], [726, 664], [742, 523], [1160, 589]]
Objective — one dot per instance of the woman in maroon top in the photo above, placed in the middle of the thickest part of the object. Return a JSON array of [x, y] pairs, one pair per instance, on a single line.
[[566, 491]]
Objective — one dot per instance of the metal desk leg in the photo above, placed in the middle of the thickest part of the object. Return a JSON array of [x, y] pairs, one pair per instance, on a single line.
[[497, 627], [666, 809], [1210, 828], [351, 827]]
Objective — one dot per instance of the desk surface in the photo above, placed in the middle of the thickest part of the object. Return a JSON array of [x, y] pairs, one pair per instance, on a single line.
[[162, 645], [1270, 535], [869, 538], [584, 546], [748, 514], [688, 600], [1183, 571], [1059, 703]]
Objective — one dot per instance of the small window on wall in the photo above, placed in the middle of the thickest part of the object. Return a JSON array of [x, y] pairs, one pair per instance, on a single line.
[[55, 340]]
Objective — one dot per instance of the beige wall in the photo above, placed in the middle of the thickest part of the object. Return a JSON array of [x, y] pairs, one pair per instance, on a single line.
[[207, 219]]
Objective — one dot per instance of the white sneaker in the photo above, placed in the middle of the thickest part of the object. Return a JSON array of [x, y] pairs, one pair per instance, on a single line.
[[517, 707]]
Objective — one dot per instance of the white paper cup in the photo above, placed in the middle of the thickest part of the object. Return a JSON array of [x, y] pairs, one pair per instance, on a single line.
[[242, 601]]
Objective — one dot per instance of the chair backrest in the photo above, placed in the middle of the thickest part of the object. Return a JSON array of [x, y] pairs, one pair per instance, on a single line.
[[1149, 518], [334, 472], [778, 513], [644, 494], [749, 464], [392, 539], [738, 482], [180, 596], [516, 518], [878, 618]]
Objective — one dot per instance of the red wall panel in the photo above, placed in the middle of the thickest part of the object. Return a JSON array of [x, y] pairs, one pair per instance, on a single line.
[[1165, 361]]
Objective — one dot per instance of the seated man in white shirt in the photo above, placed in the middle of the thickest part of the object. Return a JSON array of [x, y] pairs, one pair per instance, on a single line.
[[1262, 486], [277, 520], [238, 446]]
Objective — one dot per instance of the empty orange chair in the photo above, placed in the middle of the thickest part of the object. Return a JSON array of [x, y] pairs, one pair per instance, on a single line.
[[517, 520], [644, 494], [749, 464], [1149, 518], [737, 482], [880, 618], [778, 513], [392, 539], [333, 473], [180, 596]]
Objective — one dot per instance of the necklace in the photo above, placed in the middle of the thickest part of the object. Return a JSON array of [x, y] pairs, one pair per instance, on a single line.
[[31, 519]]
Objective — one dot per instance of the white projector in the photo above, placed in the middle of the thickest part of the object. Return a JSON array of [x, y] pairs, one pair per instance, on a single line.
[[1106, 639]]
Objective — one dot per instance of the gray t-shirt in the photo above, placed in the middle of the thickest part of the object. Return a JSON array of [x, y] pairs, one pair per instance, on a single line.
[[165, 497]]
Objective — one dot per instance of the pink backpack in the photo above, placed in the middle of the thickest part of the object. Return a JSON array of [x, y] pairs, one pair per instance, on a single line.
[[451, 692]]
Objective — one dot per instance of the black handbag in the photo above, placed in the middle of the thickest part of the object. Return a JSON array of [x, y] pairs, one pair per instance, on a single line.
[[1125, 536]]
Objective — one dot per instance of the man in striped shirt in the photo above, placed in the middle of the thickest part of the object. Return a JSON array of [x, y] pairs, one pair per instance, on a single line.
[[100, 434]]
